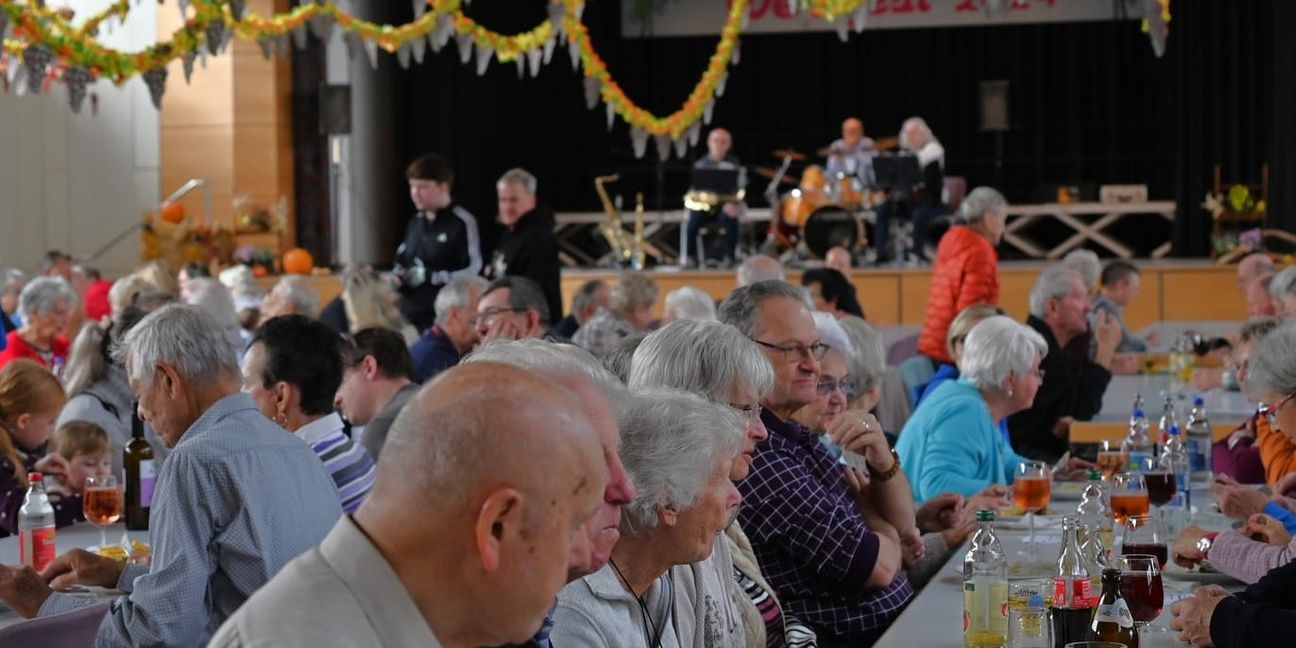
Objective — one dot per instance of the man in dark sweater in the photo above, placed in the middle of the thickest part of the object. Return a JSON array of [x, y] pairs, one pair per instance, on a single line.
[[441, 241], [528, 247], [1073, 383]]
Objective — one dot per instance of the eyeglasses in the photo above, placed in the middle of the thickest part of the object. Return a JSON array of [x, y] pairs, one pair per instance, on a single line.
[[796, 351], [828, 385], [749, 413], [491, 313], [1271, 413]]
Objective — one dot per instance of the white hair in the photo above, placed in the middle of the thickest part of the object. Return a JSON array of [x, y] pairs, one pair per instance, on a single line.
[[868, 364], [921, 125], [1283, 283], [687, 302], [44, 294], [758, 268], [214, 299], [300, 293], [671, 444], [456, 294], [1054, 283], [706, 358], [982, 200], [997, 348], [739, 308], [519, 177], [541, 355], [1086, 264], [183, 337], [12, 279], [584, 296], [243, 286], [1272, 369], [831, 333]]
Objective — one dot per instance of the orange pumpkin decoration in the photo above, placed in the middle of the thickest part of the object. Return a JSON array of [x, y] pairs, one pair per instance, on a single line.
[[298, 261], [173, 212]]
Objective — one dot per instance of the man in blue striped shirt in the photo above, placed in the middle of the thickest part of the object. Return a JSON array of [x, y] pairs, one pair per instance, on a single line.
[[292, 371]]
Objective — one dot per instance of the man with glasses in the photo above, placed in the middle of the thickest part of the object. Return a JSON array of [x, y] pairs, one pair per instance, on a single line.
[[511, 308], [828, 566], [455, 330]]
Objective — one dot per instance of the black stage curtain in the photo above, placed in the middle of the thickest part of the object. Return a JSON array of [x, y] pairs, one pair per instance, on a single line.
[[1089, 104]]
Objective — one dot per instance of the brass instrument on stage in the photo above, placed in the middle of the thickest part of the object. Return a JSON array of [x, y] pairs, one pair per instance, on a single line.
[[697, 200], [623, 252]]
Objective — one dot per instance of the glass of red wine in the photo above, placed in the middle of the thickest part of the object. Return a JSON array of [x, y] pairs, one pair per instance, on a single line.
[[1145, 535], [1141, 586]]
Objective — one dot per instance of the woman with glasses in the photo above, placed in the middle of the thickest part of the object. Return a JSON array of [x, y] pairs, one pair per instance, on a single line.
[[952, 442], [715, 361], [1253, 453]]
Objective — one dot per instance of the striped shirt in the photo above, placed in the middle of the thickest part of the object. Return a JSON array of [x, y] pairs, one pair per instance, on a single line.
[[347, 462]]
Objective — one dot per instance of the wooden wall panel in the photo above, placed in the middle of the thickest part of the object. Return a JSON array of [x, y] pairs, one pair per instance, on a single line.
[[1205, 294]]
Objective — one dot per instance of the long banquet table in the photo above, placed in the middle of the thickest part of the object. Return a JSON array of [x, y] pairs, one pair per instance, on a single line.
[[934, 618]]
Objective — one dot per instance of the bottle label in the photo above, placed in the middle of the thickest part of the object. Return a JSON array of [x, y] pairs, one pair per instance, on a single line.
[[1136, 460], [147, 477], [1117, 613], [1196, 449], [36, 547], [1079, 590]]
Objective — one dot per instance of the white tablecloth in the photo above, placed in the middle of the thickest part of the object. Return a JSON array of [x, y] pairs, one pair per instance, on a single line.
[[77, 536], [1118, 401]]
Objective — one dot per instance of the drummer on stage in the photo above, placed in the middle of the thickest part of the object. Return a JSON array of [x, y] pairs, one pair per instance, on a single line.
[[852, 155], [719, 141]]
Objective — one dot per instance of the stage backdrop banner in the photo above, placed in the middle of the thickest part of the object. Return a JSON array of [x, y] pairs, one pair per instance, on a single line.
[[704, 17]]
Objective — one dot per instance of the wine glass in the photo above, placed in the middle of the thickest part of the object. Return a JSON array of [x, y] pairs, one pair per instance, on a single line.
[[1112, 459], [1144, 535], [1129, 496], [1159, 477], [1031, 487], [1141, 586], [102, 504]]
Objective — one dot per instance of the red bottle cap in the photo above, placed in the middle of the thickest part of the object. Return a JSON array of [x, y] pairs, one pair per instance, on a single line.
[[35, 477]]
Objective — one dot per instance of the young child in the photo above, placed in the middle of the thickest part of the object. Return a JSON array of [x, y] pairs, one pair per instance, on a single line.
[[30, 400], [88, 452]]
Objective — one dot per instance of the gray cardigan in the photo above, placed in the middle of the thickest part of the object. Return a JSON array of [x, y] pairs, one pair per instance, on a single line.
[[107, 403]]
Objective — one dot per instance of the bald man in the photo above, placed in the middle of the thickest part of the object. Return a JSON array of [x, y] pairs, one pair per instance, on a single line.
[[483, 494], [852, 155], [719, 142], [1251, 267], [839, 259]]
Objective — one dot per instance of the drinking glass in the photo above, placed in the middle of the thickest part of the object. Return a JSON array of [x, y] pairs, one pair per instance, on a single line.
[[1111, 459], [1129, 496], [102, 504], [1145, 535], [1141, 586], [1030, 490]]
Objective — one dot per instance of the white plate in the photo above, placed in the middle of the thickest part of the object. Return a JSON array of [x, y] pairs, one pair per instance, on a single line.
[[1173, 571], [1068, 491]]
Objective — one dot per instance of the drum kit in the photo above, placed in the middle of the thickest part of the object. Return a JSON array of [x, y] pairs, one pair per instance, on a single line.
[[818, 212]]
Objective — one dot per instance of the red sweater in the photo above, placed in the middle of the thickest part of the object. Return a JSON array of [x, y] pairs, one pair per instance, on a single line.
[[966, 272], [96, 300], [16, 347]]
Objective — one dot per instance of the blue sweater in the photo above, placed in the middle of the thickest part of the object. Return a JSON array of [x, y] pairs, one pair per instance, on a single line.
[[951, 445], [944, 373]]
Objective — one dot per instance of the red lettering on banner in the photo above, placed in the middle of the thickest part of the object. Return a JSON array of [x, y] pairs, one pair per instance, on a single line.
[[967, 6], [900, 6], [1018, 5], [780, 9]]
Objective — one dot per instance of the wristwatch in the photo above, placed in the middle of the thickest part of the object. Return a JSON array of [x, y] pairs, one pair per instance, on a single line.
[[890, 472], [1204, 544]]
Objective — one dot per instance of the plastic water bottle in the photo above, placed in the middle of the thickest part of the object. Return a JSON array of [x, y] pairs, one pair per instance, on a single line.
[[1175, 459], [1094, 554], [1094, 510], [1168, 420], [985, 588], [1138, 445], [1198, 441], [36, 525]]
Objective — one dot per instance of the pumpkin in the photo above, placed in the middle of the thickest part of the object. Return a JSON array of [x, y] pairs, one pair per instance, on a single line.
[[173, 212], [298, 261]]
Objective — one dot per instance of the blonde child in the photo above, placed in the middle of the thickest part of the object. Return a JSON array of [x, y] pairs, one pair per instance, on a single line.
[[88, 452], [30, 400]]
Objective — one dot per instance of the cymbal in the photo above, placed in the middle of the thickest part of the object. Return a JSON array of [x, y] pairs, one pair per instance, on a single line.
[[771, 173], [790, 153]]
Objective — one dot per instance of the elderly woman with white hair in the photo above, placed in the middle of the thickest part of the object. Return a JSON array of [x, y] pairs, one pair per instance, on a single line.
[[687, 302], [210, 295], [679, 450], [835, 383], [293, 295], [717, 362], [46, 305], [952, 442]]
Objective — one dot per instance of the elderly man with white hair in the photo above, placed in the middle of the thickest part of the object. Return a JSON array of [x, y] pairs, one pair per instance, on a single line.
[[47, 305], [679, 449], [293, 295], [1073, 382], [237, 498], [757, 268], [830, 569], [455, 331], [688, 302], [528, 247], [216, 300]]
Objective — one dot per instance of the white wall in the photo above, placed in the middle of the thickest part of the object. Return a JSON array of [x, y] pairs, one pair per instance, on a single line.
[[74, 182]]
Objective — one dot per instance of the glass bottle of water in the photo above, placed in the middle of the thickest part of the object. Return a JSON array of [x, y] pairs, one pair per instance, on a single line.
[[985, 587], [1198, 441], [1175, 460], [1094, 509], [1168, 420], [36, 525], [1138, 445]]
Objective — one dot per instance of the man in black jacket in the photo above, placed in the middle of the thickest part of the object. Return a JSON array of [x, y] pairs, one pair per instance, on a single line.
[[528, 247], [441, 242], [1073, 383]]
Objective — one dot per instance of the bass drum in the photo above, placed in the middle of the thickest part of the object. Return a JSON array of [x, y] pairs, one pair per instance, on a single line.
[[793, 211], [830, 226]]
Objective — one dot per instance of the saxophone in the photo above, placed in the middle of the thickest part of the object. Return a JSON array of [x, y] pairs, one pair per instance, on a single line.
[[622, 253]]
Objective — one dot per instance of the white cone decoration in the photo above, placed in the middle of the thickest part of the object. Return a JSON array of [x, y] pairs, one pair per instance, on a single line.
[[993, 6], [794, 6], [298, 36], [693, 133], [417, 47], [556, 13], [440, 36], [580, 11], [574, 51], [549, 50], [202, 57], [322, 26], [663, 143], [720, 85], [18, 79], [465, 47], [707, 110], [371, 50], [860, 18], [353, 44], [591, 92], [737, 53], [186, 64], [403, 55], [533, 57], [420, 8], [521, 66], [484, 55], [611, 116], [843, 30], [267, 50], [1157, 29], [639, 140], [681, 146]]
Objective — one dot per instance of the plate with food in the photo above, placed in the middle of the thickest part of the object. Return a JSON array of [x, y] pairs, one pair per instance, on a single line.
[[138, 552], [1202, 572]]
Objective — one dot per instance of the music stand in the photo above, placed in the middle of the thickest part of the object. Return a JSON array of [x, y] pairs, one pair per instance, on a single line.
[[897, 174], [719, 181]]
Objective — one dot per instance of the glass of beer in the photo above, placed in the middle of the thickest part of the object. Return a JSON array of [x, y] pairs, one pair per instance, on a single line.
[[1111, 459], [102, 504], [1031, 488], [1129, 496]]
